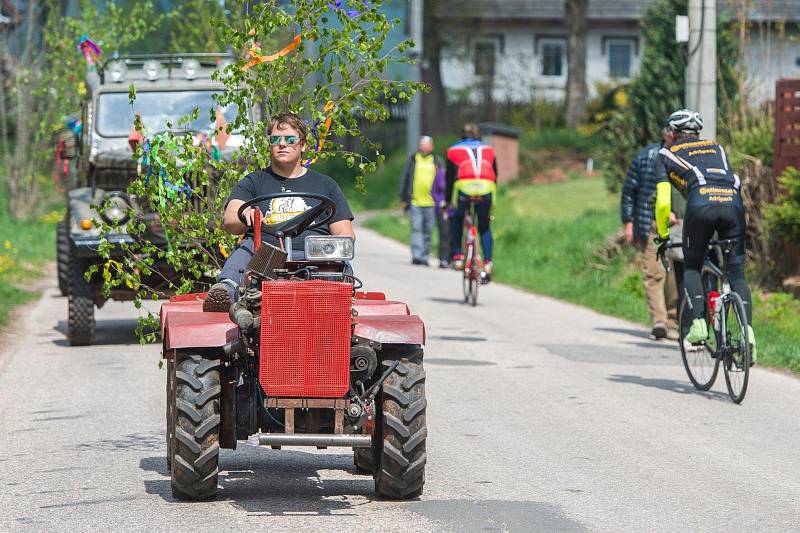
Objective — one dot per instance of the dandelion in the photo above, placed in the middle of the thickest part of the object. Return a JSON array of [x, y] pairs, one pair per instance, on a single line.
[[7, 244]]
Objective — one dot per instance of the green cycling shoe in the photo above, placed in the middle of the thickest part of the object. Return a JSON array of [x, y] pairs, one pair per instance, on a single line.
[[698, 332]]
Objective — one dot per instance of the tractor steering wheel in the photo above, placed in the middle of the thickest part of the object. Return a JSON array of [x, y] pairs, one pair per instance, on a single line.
[[296, 225]]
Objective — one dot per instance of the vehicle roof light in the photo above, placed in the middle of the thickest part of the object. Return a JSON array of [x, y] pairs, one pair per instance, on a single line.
[[152, 69], [190, 68], [117, 71]]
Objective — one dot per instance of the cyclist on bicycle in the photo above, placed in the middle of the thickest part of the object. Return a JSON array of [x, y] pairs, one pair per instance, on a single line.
[[471, 176], [700, 170]]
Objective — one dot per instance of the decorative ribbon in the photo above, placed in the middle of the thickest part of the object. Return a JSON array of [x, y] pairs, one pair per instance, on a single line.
[[320, 138], [352, 13], [256, 58], [60, 161], [89, 49]]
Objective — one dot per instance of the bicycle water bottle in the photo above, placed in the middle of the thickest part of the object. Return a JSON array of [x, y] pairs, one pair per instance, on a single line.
[[715, 308]]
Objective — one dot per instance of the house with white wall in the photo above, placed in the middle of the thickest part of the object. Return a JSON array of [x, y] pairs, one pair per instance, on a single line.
[[516, 50]]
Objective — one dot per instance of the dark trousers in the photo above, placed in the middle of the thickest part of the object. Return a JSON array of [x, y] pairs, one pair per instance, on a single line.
[[698, 229], [443, 225], [483, 208]]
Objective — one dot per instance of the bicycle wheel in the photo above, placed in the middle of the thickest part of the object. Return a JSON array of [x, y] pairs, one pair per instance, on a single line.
[[466, 283], [736, 348], [474, 280], [700, 361]]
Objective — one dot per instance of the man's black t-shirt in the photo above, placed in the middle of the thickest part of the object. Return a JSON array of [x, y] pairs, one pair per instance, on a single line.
[[267, 181]]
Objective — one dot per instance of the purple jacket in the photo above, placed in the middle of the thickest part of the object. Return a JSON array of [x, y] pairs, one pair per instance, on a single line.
[[439, 184]]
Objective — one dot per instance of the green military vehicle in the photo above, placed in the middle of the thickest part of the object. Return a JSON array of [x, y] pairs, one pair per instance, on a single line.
[[168, 87]]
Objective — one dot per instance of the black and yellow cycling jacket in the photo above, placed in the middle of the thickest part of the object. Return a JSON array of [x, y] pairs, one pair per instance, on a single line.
[[700, 170]]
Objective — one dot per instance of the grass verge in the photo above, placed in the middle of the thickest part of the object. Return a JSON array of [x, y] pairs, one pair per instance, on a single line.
[[25, 247], [546, 241]]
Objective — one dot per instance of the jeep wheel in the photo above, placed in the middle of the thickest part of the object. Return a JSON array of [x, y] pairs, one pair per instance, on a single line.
[[195, 453], [362, 460], [80, 320], [62, 257], [399, 440]]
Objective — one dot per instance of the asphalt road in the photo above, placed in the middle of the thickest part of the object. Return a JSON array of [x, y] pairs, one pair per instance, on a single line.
[[543, 416]]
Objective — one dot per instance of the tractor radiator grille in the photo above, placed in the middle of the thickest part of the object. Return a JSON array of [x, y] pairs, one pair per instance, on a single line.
[[305, 338]]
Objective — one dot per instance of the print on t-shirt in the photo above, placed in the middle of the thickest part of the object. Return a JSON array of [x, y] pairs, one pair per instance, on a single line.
[[286, 208]]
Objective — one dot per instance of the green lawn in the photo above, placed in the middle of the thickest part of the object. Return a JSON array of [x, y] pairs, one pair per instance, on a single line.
[[546, 239]]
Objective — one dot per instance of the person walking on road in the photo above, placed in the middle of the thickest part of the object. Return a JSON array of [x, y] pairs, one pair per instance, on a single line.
[[416, 195], [637, 205]]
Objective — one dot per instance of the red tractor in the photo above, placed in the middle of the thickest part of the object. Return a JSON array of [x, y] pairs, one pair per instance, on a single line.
[[303, 358]]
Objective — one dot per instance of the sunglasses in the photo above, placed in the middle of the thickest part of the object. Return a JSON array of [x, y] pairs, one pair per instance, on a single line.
[[287, 139]]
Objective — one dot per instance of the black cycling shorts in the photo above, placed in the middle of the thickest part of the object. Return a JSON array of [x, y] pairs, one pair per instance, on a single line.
[[699, 226]]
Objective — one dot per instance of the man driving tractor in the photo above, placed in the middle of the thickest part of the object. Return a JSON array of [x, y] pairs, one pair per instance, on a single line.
[[286, 173]]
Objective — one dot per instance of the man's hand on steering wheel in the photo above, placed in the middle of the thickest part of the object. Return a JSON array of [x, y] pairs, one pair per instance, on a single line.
[[247, 216]]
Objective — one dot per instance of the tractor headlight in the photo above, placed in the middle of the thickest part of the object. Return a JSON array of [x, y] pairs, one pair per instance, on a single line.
[[329, 248]]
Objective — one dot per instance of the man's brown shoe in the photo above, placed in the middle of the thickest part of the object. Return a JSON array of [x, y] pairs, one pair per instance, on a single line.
[[218, 299]]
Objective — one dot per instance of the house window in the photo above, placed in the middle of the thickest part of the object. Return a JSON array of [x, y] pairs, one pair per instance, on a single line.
[[620, 58], [484, 57], [552, 53]]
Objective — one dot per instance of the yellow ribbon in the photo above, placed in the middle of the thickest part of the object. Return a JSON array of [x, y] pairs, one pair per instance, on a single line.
[[328, 119]]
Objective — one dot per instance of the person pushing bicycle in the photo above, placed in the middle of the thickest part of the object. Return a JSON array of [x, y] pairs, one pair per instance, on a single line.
[[471, 176], [700, 170]]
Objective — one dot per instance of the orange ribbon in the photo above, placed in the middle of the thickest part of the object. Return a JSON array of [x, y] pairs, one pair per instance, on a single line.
[[257, 58]]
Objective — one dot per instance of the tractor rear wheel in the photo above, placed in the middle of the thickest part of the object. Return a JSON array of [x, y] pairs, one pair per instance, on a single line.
[[196, 411], [62, 257], [400, 432], [80, 319], [170, 433], [362, 460]]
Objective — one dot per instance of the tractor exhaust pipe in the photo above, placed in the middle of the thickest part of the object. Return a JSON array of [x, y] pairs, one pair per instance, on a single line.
[[314, 439]]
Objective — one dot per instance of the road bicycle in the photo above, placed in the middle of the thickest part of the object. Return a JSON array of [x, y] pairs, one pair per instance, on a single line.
[[472, 275], [727, 326]]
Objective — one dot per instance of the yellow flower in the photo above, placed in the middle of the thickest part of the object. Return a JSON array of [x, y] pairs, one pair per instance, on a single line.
[[7, 244], [621, 98]]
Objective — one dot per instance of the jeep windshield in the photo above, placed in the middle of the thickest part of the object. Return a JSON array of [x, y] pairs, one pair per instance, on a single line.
[[157, 108]]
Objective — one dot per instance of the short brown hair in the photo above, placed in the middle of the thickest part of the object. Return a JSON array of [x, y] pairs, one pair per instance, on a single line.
[[471, 131], [291, 120]]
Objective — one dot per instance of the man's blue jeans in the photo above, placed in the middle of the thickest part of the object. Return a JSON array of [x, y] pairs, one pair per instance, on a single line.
[[422, 222]]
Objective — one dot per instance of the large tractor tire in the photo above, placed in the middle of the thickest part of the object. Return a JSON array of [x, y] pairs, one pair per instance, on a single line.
[[62, 257], [196, 408], [400, 433], [363, 461], [80, 319], [170, 433]]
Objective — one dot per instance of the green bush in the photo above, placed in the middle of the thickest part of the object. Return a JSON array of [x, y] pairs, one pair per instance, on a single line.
[[538, 114], [559, 140], [784, 217]]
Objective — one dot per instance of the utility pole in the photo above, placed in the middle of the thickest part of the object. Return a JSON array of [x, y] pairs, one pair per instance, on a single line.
[[414, 118], [701, 70]]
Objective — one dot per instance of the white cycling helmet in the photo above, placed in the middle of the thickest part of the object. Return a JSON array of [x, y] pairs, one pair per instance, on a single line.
[[685, 120]]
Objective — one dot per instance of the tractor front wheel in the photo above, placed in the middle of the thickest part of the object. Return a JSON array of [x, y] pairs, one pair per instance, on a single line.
[[80, 319], [62, 257], [196, 414], [400, 433], [362, 460]]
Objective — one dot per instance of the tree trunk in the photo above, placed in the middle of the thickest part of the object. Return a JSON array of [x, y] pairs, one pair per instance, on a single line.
[[575, 11], [434, 103]]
